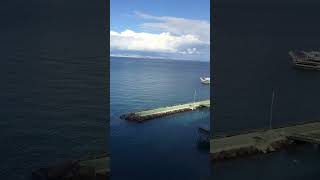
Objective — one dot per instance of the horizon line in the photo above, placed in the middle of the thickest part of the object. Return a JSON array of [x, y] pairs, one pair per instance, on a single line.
[[157, 58]]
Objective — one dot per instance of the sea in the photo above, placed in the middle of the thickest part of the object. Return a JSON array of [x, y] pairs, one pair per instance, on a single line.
[[53, 92], [162, 148], [251, 62]]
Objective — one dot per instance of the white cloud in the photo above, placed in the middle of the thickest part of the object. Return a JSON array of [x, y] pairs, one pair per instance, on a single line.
[[172, 37], [190, 51], [178, 26], [163, 42]]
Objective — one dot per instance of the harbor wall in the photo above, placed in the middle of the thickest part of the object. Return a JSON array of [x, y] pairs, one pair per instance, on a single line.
[[250, 45]]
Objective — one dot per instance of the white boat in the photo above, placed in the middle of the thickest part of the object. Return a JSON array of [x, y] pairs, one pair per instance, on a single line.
[[205, 80], [306, 60]]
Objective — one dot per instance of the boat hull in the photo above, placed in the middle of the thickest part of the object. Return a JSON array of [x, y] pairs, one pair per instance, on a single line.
[[301, 61], [205, 81]]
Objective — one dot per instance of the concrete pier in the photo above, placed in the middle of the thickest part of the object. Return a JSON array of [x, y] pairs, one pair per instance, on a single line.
[[100, 163], [91, 168], [164, 111], [263, 141]]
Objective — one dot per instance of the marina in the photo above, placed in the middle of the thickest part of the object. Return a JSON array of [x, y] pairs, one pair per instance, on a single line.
[[165, 111], [230, 146]]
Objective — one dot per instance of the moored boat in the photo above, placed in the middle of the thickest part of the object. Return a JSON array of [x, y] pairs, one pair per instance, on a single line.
[[306, 60], [205, 80]]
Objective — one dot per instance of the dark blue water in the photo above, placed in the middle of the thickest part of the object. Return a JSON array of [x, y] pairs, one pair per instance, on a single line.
[[53, 93], [164, 148], [252, 40]]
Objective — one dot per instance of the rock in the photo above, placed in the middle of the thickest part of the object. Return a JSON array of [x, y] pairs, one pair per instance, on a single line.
[[62, 170], [86, 173], [102, 176]]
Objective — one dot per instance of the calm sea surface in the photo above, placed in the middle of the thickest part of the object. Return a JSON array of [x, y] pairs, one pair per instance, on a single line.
[[163, 148], [251, 60], [53, 85]]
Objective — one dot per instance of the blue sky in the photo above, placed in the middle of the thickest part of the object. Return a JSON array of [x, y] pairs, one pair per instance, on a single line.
[[176, 29]]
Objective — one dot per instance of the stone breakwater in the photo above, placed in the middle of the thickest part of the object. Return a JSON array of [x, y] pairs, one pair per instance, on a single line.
[[93, 168], [248, 143], [164, 111]]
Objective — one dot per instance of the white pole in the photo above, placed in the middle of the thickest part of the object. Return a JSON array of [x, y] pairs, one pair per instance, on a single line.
[[271, 110]]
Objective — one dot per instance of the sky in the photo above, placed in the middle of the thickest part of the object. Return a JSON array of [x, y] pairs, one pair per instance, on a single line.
[[169, 29]]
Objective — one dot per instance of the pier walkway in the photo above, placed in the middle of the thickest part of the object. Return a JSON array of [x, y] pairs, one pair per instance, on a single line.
[[263, 141], [164, 111]]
